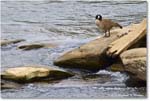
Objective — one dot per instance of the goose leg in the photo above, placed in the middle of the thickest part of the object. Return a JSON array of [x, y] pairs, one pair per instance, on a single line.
[[109, 33], [105, 35]]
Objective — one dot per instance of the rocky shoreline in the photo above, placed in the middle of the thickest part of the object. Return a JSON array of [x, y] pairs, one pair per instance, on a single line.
[[121, 52], [103, 52]]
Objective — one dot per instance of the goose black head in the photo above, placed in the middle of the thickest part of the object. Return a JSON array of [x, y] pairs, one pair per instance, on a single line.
[[99, 17]]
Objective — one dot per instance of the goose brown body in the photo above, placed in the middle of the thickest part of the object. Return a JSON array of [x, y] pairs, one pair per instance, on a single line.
[[106, 24]]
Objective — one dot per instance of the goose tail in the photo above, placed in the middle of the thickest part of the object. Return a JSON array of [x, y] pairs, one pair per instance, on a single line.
[[118, 25]]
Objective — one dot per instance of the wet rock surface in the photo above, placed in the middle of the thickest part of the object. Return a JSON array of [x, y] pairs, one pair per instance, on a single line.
[[133, 81], [33, 46], [9, 85]]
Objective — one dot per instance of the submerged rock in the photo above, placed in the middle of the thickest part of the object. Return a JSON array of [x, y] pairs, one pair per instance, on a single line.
[[35, 46], [9, 85], [33, 73], [134, 61], [6, 42]]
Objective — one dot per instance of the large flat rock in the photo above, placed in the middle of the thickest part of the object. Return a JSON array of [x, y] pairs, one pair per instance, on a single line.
[[32, 73]]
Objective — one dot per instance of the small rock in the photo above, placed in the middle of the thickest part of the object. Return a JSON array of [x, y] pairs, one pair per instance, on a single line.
[[35, 46], [34, 73], [6, 42]]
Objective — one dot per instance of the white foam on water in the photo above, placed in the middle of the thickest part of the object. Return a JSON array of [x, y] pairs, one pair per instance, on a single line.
[[116, 75]]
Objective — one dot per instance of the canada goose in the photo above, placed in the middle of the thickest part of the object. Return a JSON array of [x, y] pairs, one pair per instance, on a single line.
[[105, 24]]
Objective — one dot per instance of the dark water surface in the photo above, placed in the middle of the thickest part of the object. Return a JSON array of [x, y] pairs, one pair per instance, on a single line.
[[68, 24]]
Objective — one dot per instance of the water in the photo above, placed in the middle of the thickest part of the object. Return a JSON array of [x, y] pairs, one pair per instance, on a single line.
[[68, 24]]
